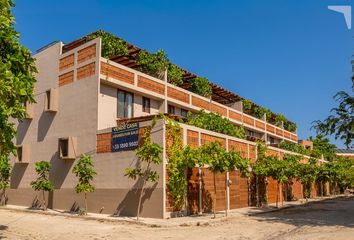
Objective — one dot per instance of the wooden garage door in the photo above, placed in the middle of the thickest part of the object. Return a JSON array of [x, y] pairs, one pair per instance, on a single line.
[[297, 190], [272, 190], [208, 191], [238, 190], [193, 190]]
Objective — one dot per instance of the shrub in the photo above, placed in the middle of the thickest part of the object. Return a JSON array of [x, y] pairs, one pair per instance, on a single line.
[[200, 85], [111, 45]]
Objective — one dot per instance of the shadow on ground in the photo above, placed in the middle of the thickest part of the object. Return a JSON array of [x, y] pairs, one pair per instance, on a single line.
[[2, 228], [330, 212]]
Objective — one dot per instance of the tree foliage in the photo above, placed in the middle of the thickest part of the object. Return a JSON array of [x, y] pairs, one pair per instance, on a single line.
[[341, 122], [84, 171], [149, 154], [294, 147], [42, 183], [323, 147], [17, 79], [215, 122], [5, 173]]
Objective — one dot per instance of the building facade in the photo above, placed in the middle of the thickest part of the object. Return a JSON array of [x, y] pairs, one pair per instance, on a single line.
[[80, 96]]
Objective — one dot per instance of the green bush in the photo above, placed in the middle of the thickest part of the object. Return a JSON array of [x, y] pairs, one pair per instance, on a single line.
[[280, 118], [247, 104], [260, 111], [294, 147], [200, 85], [217, 123], [111, 45], [291, 127], [154, 64], [175, 75]]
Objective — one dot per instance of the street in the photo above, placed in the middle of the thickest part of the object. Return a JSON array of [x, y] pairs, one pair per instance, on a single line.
[[329, 219]]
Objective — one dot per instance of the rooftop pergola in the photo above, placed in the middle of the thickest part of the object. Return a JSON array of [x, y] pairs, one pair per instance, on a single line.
[[219, 94]]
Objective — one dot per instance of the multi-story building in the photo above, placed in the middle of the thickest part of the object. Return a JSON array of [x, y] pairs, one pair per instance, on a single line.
[[80, 96]]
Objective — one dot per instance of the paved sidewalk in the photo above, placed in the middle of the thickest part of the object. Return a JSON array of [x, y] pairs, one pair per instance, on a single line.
[[195, 220]]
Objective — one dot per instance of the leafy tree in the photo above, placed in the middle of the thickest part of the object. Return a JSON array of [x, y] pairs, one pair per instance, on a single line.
[[217, 123], [341, 122], [111, 45], [307, 174], [17, 79], [149, 153], [5, 173], [42, 183], [215, 157], [294, 147], [322, 146], [85, 172], [201, 86]]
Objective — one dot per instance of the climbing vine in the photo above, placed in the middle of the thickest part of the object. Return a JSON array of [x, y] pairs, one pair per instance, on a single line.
[[177, 164]]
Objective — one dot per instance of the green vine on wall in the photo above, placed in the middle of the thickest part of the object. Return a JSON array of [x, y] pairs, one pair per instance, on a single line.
[[177, 165]]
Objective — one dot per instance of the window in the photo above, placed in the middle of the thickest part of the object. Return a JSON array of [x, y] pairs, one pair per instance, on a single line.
[[47, 105], [51, 100], [125, 104], [146, 104], [29, 110], [67, 148], [23, 153], [184, 113], [64, 148], [19, 153], [271, 140], [171, 109]]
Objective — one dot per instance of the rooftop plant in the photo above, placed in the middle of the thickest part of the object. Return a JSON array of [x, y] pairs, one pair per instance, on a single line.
[[280, 118], [215, 122], [260, 111], [174, 75], [201, 86], [111, 45], [154, 64], [291, 127], [247, 104]]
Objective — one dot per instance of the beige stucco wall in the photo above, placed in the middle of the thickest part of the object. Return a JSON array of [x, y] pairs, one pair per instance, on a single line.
[[77, 116], [107, 106]]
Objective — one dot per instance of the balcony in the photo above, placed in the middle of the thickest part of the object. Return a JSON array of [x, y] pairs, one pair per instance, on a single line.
[[124, 77]]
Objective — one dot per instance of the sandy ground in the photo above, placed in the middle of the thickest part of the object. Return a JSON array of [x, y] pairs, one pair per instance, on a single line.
[[330, 219]]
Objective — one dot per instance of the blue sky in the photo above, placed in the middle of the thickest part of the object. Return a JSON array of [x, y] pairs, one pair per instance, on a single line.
[[289, 56]]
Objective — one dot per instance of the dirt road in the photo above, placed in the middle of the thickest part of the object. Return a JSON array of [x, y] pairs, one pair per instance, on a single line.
[[330, 219]]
